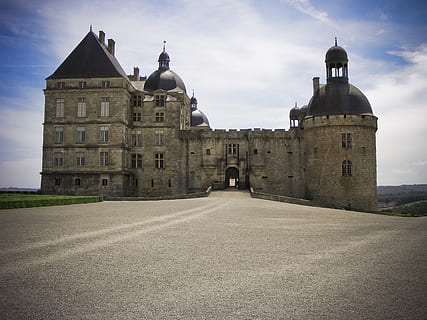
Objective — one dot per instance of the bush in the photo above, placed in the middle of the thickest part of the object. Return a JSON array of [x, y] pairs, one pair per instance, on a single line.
[[16, 200]]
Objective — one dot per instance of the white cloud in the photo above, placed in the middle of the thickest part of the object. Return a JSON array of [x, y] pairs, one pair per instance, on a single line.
[[307, 8]]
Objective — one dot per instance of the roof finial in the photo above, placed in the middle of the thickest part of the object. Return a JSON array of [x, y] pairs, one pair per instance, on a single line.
[[193, 93], [336, 44], [296, 105], [164, 45], [91, 28]]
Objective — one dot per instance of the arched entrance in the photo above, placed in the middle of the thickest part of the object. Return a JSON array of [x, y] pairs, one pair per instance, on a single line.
[[232, 178]]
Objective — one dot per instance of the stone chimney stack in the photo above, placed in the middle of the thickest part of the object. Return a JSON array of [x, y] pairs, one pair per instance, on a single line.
[[101, 36], [111, 46], [315, 85], [136, 73]]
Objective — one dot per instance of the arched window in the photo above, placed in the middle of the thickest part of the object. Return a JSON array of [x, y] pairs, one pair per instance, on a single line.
[[346, 169]]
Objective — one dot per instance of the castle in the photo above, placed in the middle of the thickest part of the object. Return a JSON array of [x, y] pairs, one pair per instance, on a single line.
[[117, 135]]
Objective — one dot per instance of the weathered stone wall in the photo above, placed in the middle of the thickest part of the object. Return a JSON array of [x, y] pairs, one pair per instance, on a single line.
[[325, 155]]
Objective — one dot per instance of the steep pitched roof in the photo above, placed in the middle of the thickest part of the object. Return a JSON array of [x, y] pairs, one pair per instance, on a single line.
[[90, 59]]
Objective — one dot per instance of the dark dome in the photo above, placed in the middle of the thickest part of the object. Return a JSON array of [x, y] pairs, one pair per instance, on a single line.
[[164, 57], [338, 97], [193, 100], [164, 79], [198, 118], [336, 53]]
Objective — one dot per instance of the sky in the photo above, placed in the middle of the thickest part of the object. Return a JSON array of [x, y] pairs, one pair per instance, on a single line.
[[248, 61]]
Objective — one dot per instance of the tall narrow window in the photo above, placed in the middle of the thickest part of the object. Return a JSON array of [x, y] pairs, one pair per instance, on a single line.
[[103, 159], [346, 170], [159, 160], [103, 134], [137, 101], [160, 117], [232, 148], [136, 140], [160, 100], [81, 135], [58, 159], [159, 137], [136, 160], [59, 134], [59, 108], [81, 108], [346, 140], [105, 107], [80, 160]]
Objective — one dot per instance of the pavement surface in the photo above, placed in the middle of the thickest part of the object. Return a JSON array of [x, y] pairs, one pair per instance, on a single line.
[[227, 256]]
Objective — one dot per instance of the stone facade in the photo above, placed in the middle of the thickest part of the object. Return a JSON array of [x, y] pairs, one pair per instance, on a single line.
[[117, 135]]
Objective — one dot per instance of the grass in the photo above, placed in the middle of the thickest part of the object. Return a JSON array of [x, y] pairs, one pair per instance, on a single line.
[[413, 209], [20, 200]]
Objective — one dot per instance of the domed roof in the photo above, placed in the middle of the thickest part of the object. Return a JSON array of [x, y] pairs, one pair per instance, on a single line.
[[338, 97], [164, 79], [336, 53], [199, 119]]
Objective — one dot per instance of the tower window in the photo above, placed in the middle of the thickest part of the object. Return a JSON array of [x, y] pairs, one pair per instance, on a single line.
[[232, 148], [160, 100], [59, 108], [59, 134], [82, 84], [60, 85], [137, 101], [347, 170], [81, 135], [103, 137], [105, 84], [105, 107], [103, 159], [159, 137], [137, 116], [346, 139], [81, 108]]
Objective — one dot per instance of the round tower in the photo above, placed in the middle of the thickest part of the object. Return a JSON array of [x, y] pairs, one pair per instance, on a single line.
[[339, 140]]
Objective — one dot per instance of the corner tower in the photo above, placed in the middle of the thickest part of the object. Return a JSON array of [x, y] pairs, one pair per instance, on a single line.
[[340, 144]]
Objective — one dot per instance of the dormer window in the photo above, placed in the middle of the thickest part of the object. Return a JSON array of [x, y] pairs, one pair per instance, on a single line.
[[160, 100]]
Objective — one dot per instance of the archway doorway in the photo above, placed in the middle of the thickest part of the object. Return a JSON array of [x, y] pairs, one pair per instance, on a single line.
[[232, 178]]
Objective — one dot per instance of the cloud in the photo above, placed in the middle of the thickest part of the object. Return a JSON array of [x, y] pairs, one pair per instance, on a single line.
[[307, 8]]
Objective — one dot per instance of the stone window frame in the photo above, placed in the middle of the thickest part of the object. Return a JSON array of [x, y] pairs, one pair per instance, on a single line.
[[232, 148], [59, 135], [81, 135], [160, 100], [136, 139], [137, 116], [346, 140], [58, 159], [82, 84], [80, 159], [347, 168], [103, 158], [105, 107], [137, 101], [159, 138], [159, 116], [81, 108], [159, 160], [60, 108], [103, 134], [136, 160], [105, 84]]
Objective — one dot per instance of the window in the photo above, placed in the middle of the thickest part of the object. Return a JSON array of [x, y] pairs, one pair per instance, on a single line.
[[232, 148], [105, 84], [58, 159], [59, 108], [77, 181], [82, 84], [104, 159], [59, 134], [81, 134], [208, 152], [159, 160], [57, 181], [160, 100], [255, 151], [104, 182], [136, 140], [136, 160], [103, 134], [80, 159], [137, 101], [105, 107], [60, 85], [160, 117], [346, 140], [81, 108], [347, 170], [159, 137], [137, 116]]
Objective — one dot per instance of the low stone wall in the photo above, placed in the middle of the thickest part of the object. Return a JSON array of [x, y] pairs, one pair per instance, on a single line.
[[275, 197], [203, 194]]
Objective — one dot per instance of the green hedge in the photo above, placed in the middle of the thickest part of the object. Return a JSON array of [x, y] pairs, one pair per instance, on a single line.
[[11, 201]]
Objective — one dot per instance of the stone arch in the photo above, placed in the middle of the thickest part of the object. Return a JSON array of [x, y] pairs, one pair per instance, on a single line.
[[232, 177]]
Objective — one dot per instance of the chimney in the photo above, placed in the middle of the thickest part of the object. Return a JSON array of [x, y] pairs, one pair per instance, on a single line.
[[101, 36], [315, 85], [111, 46], [136, 73]]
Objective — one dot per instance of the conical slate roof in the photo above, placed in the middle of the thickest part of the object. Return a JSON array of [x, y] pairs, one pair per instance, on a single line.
[[90, 59]]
